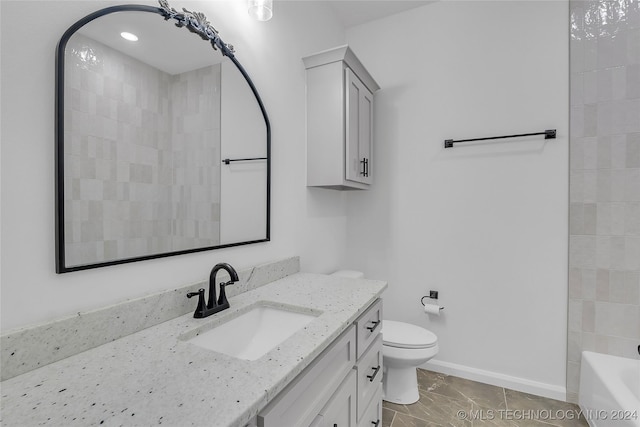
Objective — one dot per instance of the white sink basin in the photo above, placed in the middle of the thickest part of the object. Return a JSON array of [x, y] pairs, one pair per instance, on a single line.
[[254, 333]]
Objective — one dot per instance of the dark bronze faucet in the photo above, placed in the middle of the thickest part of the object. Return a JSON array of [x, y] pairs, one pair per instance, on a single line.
[[214, 306]]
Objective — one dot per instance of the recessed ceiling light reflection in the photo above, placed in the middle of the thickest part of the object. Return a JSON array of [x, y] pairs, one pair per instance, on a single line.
[[129, 36]]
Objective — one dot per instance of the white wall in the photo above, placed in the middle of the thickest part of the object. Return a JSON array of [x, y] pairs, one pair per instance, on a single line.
[[486, 225], [306, 223]]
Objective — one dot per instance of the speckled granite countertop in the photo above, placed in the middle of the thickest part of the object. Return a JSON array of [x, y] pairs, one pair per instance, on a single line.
[[153, 377]]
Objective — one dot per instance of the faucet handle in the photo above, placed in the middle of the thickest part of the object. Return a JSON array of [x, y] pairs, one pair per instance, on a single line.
[[200, 310], [193, 294], [222, 298]]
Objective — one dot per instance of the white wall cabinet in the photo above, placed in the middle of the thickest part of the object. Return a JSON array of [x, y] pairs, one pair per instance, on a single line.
[[337, 388], [339, 120]]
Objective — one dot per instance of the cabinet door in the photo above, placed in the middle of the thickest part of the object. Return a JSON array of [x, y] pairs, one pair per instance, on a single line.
[[341, 409], [299, 404], [365, 143], [373, 414], [369, 371], [358, 128]]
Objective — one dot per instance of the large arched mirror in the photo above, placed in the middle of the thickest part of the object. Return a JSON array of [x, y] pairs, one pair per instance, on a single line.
[[163, 142]]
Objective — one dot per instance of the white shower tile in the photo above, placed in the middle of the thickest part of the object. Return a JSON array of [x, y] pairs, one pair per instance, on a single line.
[[612, 51], [576, 218], [602, 180], [589, 284], [633, 150], [617, 219], [632, 81], [602, 285], [604, 84], [632, 185], [593, 118], [574, 347], [603, 219], [623, 347], [575, 283], [603, 248], [633, 46], [601, 343], [604, 152], [590, 218], [619, 83], [617, 178], [632, 218], [618, 151], [632, 115], [618, 256], [588, 316], [590, 49], [619, 115], [583, 251], [590, 152], [632, 253], [576, 121], [575, 315], [590, 87], [605, 118], [576, 91]]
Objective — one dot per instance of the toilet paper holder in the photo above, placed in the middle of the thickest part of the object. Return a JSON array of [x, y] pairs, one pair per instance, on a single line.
[[432, 295]]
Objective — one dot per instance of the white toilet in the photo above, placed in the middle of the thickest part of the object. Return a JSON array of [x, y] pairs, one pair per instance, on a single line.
[[404, 348]]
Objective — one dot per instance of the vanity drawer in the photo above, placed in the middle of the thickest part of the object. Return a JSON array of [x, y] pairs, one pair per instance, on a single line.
[[341, 409], [369, 371], [372, 416], [368, 326], [301, 401]]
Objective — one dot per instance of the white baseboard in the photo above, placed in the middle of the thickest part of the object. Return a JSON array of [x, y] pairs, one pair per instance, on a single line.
[[500, 380]]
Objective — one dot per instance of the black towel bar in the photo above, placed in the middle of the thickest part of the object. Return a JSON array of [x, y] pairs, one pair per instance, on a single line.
[[548, 134], [227, 161]]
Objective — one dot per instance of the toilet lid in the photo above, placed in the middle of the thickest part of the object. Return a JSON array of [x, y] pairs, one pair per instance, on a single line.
[[405, 335]]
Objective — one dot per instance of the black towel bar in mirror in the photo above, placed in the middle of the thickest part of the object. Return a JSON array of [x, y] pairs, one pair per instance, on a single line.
[[227, 161]]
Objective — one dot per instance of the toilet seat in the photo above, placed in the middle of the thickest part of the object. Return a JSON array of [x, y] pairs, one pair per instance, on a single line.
[[404, 335]]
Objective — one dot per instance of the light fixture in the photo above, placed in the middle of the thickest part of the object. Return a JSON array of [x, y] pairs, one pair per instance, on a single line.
[[129, 36], [262, 10]]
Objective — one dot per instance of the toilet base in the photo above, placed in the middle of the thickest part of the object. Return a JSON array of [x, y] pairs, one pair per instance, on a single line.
[[400, 385]]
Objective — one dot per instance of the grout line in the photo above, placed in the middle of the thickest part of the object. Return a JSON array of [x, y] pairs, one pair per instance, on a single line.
[[412, 416], [504, 393]]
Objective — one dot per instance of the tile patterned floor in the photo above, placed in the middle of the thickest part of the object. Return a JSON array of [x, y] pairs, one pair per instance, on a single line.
[[451, 401]]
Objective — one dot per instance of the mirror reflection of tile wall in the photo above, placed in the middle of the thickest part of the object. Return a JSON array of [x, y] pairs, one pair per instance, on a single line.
[[142, 155], [604, 223]]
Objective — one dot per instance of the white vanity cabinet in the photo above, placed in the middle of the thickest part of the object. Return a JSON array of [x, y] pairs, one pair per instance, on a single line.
[[338, 389], [369, 366], [341, 408], [339, 120]]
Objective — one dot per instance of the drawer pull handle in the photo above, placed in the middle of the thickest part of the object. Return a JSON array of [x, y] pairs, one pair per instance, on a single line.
[[375, 325], [375, 423], [375, 372]]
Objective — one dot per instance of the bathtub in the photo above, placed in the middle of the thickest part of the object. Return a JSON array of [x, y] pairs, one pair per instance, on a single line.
[[609, 394]]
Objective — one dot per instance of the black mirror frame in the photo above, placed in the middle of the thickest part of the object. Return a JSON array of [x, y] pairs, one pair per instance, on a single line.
[[195, 22]]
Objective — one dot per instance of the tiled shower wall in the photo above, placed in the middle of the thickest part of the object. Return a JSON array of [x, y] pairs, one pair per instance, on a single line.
[[604, 224], [195, 107], [141, 154]]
